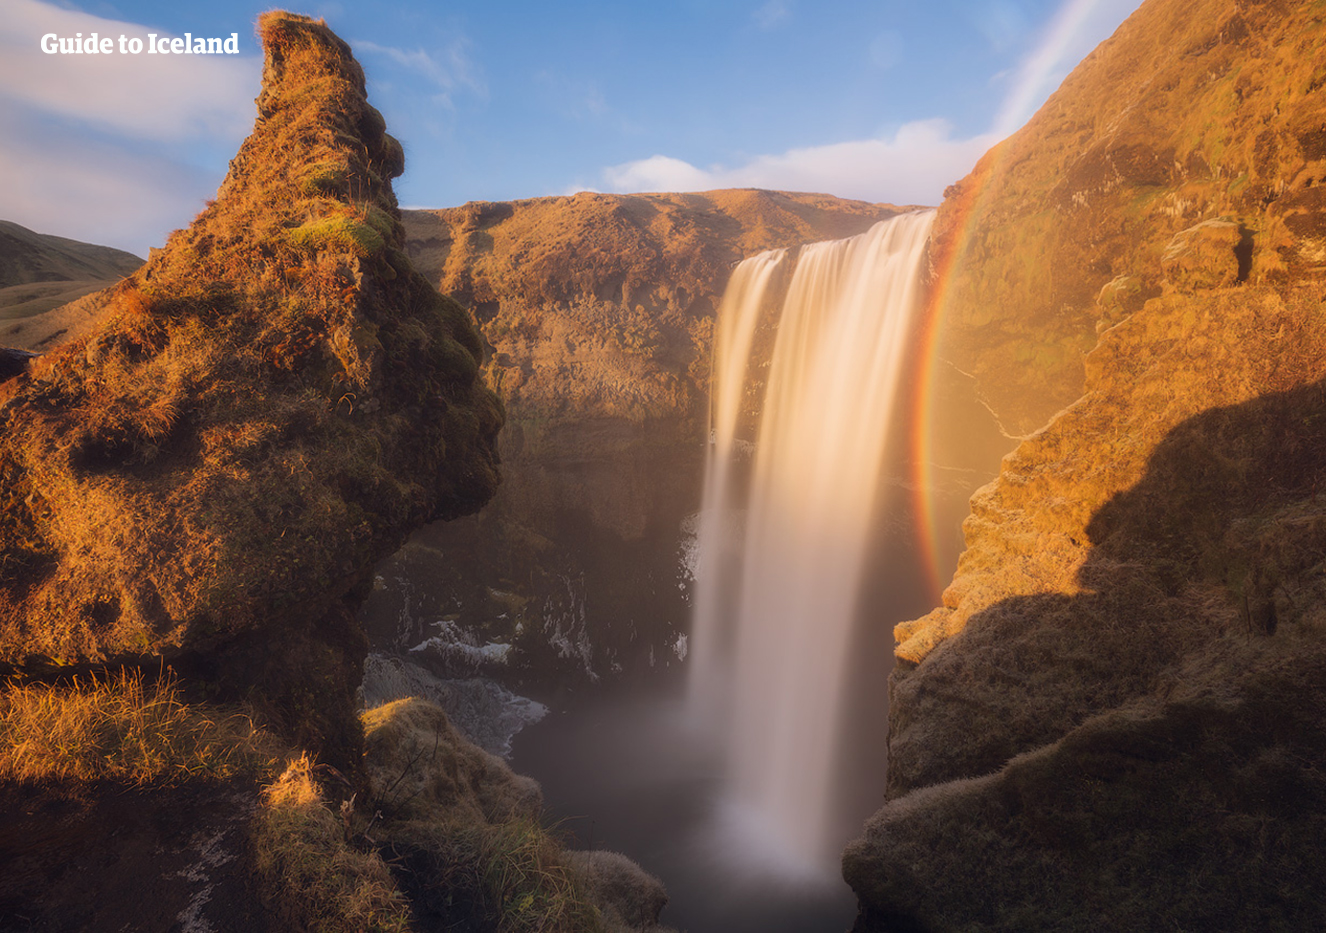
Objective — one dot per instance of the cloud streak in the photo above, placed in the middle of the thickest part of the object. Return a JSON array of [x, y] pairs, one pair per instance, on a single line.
[[1045, 68], [165, 98], [913, 166], [919, 160], [58, 180], [452, 71], [107, 148], [772, 14]]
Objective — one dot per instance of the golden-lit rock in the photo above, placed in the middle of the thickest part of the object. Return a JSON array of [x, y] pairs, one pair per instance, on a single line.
[[1206, 255], [1188, 114], [1114, 721], [270, 405], [426, 770]]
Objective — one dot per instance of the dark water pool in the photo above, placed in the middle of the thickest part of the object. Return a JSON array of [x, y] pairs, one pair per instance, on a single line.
[[629, 773]]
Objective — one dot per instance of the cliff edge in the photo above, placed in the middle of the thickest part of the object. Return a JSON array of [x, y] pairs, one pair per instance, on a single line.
[[1115, 719]]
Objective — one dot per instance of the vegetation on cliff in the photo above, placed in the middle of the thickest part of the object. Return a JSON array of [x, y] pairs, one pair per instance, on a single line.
[[1186, 116], [196, 494], [441, 835], [125, 728], [272, 403], [462, 836], [1114, 720]]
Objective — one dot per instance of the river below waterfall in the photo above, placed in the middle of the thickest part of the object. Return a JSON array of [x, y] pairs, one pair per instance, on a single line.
[[623, 768], [738, 777], [623, 771]]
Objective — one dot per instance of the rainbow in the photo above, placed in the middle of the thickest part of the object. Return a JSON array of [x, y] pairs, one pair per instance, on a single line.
[[950, 242]]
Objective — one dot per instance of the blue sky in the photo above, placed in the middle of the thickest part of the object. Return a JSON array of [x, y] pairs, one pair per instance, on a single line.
[[884, 101]]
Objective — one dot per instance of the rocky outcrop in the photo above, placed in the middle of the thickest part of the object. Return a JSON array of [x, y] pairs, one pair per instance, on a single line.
[[90, 857], [269, 407], [598, 312], [1177, 120], [14, 362], [1113, 722]]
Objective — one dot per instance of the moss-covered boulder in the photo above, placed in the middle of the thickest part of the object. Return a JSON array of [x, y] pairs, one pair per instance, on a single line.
[[465, 839], [270, 406]]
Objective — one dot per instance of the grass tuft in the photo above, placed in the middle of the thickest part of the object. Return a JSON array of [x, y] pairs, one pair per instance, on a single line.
[[122, 727], [526, 878], [311, 872], [466, 831]]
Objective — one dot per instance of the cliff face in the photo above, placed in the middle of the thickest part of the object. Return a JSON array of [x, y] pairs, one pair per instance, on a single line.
[[271, 404], [598, 312], [1185, 115], [1114, 721]]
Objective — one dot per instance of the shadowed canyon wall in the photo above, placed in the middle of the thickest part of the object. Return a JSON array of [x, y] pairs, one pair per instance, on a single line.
[[1115, 719], [598, 312]]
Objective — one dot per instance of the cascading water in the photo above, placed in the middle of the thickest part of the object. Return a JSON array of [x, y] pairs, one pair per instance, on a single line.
[[782, 548]]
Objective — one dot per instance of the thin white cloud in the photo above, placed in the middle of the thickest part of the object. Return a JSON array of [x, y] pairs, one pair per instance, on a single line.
[[922, 157], [911, 167], [772, 14], [451, 70], [1045, 68], [1077, 27], [660, 173], [105, 147], [160, 97], [58, 180], [571, 97]]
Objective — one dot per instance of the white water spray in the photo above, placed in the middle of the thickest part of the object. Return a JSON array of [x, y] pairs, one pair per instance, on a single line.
[[780, 563]]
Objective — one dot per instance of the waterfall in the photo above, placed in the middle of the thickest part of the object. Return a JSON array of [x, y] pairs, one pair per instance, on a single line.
[[782, 537]]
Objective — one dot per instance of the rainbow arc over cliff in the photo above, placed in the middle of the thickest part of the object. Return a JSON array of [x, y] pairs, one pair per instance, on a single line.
[[949, 243]]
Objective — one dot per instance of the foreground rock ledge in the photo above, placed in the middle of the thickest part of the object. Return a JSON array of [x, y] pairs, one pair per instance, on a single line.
[[273, 402]]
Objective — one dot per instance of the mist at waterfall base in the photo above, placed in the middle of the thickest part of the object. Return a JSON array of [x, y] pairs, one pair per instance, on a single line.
[[624, 768], [740, 782]]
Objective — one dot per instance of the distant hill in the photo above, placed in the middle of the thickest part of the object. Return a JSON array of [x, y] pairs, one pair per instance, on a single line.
[[39, 272]]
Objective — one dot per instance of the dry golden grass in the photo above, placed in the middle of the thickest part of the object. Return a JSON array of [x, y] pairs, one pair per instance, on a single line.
[[466, 829], [122, 727], [310, 871]]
